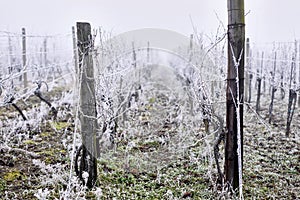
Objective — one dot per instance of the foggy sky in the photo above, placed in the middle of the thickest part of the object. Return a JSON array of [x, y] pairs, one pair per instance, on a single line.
[[267, 21]]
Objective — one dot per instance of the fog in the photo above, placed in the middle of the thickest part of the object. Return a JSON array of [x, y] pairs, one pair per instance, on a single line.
[[266, 21]]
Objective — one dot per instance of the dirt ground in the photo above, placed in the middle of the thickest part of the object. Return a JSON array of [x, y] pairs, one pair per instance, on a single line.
[[36, 158]]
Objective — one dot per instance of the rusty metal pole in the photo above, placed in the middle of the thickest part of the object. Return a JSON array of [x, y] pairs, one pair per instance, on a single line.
[[234, 92]]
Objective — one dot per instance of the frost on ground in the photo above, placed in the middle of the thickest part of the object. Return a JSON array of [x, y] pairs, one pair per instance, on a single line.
[[271, 160], [155, 142], [161, 152]]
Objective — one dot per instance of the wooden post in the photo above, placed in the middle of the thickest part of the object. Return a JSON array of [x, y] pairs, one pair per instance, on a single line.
[[259, 78], [11, 60], [50, 72], [134, 60], [101, 38], [148, 52], [122, 103], [24, 59], [45, 52], [75, 57], [234, 95], [299, 76], [250, 81], [292, 93], [264, 83], [282, 92], [137, 82], [190, 50], [87, 102], [148, 69], [273, 89], [42, 71], [248, 69], [75, 50]]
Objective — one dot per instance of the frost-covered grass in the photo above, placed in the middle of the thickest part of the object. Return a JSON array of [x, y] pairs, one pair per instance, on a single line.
[[161, 151], [271, 160], [153, 158]]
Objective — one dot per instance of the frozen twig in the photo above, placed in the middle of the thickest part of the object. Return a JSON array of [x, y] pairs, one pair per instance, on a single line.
[[18, 150]]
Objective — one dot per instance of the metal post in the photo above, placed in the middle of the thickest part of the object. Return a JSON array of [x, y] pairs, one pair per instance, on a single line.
[[234, 94]]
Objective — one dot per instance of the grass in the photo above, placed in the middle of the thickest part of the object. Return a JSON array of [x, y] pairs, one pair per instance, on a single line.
[[177, 180], [153, 166]]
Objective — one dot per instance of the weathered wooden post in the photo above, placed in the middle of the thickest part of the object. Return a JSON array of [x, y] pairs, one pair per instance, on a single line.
[[191, 48], [234, 95], [87, 103], [24, 59], [259, 78], [148, 52], [75, 53], [75, 57], [134, 64], [148, 61], [248, 69], [11, 60], [299, 76], [273, 89], [292, 94], [45, 52], [44, 55]]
